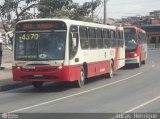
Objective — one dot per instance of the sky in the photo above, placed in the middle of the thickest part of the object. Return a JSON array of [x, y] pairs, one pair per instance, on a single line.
[[125, 8]]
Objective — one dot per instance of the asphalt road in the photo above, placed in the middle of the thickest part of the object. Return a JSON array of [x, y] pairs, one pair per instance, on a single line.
[[131, 90]]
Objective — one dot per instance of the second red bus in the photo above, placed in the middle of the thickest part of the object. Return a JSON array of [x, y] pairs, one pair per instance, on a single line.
[[135, 45]]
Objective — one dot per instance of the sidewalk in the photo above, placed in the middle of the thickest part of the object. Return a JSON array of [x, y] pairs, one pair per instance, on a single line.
[[6, 81]]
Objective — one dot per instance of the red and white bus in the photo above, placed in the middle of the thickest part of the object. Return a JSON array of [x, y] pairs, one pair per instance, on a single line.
[[54, 50], [136, 45]]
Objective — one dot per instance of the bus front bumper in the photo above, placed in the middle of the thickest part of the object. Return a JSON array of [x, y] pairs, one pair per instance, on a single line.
[[132, 60], [44, 74]]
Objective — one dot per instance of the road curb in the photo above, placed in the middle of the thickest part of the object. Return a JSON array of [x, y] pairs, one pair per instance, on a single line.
[[7, 87]]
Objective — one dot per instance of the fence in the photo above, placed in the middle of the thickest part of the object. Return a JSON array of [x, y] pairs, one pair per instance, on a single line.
[[153, 46]]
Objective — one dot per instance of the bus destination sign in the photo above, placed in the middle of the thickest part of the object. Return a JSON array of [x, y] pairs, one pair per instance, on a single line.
[[41, 26]]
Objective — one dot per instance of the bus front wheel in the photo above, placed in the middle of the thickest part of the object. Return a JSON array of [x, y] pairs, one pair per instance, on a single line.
[[143, 62], [110, 74], [37, 85], [138, 65], [81, 81]]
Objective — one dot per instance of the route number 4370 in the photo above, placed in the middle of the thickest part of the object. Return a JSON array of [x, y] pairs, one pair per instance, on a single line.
[[33, 36]]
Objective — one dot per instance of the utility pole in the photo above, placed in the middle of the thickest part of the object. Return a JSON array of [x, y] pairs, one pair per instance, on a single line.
[[92, 12], [34, 12], [105, 11]]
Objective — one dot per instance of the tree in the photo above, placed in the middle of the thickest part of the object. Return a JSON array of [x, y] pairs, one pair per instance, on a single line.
[[66, 8], [11, 11], [49, 8], [80, 12]]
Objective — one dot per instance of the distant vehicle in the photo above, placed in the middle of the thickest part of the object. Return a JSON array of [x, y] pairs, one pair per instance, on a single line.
[[7, 35], [136, 45], [4, 38], [49, 50]]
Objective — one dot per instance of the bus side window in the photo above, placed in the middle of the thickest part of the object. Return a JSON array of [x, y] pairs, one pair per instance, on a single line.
[[84, 37], [113, 39], [140, 37], [92, 38], [118, 38], [144, 38], [99, 38], [122, 39], [73, 44], [106, 34]]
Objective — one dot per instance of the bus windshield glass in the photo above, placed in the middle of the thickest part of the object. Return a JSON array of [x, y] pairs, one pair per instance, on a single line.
[[42, 45], [130, 39]]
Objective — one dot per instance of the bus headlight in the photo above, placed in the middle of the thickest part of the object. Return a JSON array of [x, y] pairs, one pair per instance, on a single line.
[[135, 55], [18, 68]]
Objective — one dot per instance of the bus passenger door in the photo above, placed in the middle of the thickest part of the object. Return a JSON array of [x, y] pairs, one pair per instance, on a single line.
[[73, 55]]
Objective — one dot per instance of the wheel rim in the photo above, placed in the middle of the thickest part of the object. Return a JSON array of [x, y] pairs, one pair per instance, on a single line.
[[111, 72], [82, 79]]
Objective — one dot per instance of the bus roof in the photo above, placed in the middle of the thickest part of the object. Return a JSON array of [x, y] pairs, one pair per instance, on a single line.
[[135, 27]]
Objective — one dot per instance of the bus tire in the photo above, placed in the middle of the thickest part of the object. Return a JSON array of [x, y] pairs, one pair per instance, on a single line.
[[110, 74], [37, 85], [143, 62], [81, 81], [138, 65]]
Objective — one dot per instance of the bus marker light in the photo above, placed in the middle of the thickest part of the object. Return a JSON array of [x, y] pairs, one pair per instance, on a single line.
[[60, 67]]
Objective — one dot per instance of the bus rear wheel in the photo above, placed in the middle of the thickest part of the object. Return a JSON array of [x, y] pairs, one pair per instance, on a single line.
[[37, 85]]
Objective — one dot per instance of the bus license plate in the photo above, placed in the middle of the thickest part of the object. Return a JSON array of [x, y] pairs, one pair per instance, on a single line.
[[38, 76]]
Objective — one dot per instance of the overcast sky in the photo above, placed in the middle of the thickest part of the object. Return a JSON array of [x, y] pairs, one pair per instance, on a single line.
[[124, 8]]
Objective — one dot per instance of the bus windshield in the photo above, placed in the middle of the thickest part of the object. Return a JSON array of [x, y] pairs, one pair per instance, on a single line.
[[40, 45], [130, 39]]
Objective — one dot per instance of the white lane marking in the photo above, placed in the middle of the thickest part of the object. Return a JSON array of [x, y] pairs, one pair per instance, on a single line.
[[69, 96], [142, 105], [153, 64]]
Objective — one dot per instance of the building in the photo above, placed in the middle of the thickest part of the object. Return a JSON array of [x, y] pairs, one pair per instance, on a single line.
[[155, 14], [136, 20], [155, 21], [153, 33], [155, 17]]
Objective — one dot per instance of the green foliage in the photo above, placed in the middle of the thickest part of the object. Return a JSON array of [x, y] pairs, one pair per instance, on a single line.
[[66, 8], [48, 8], [17, 9], [15, 6], [82, 12]]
